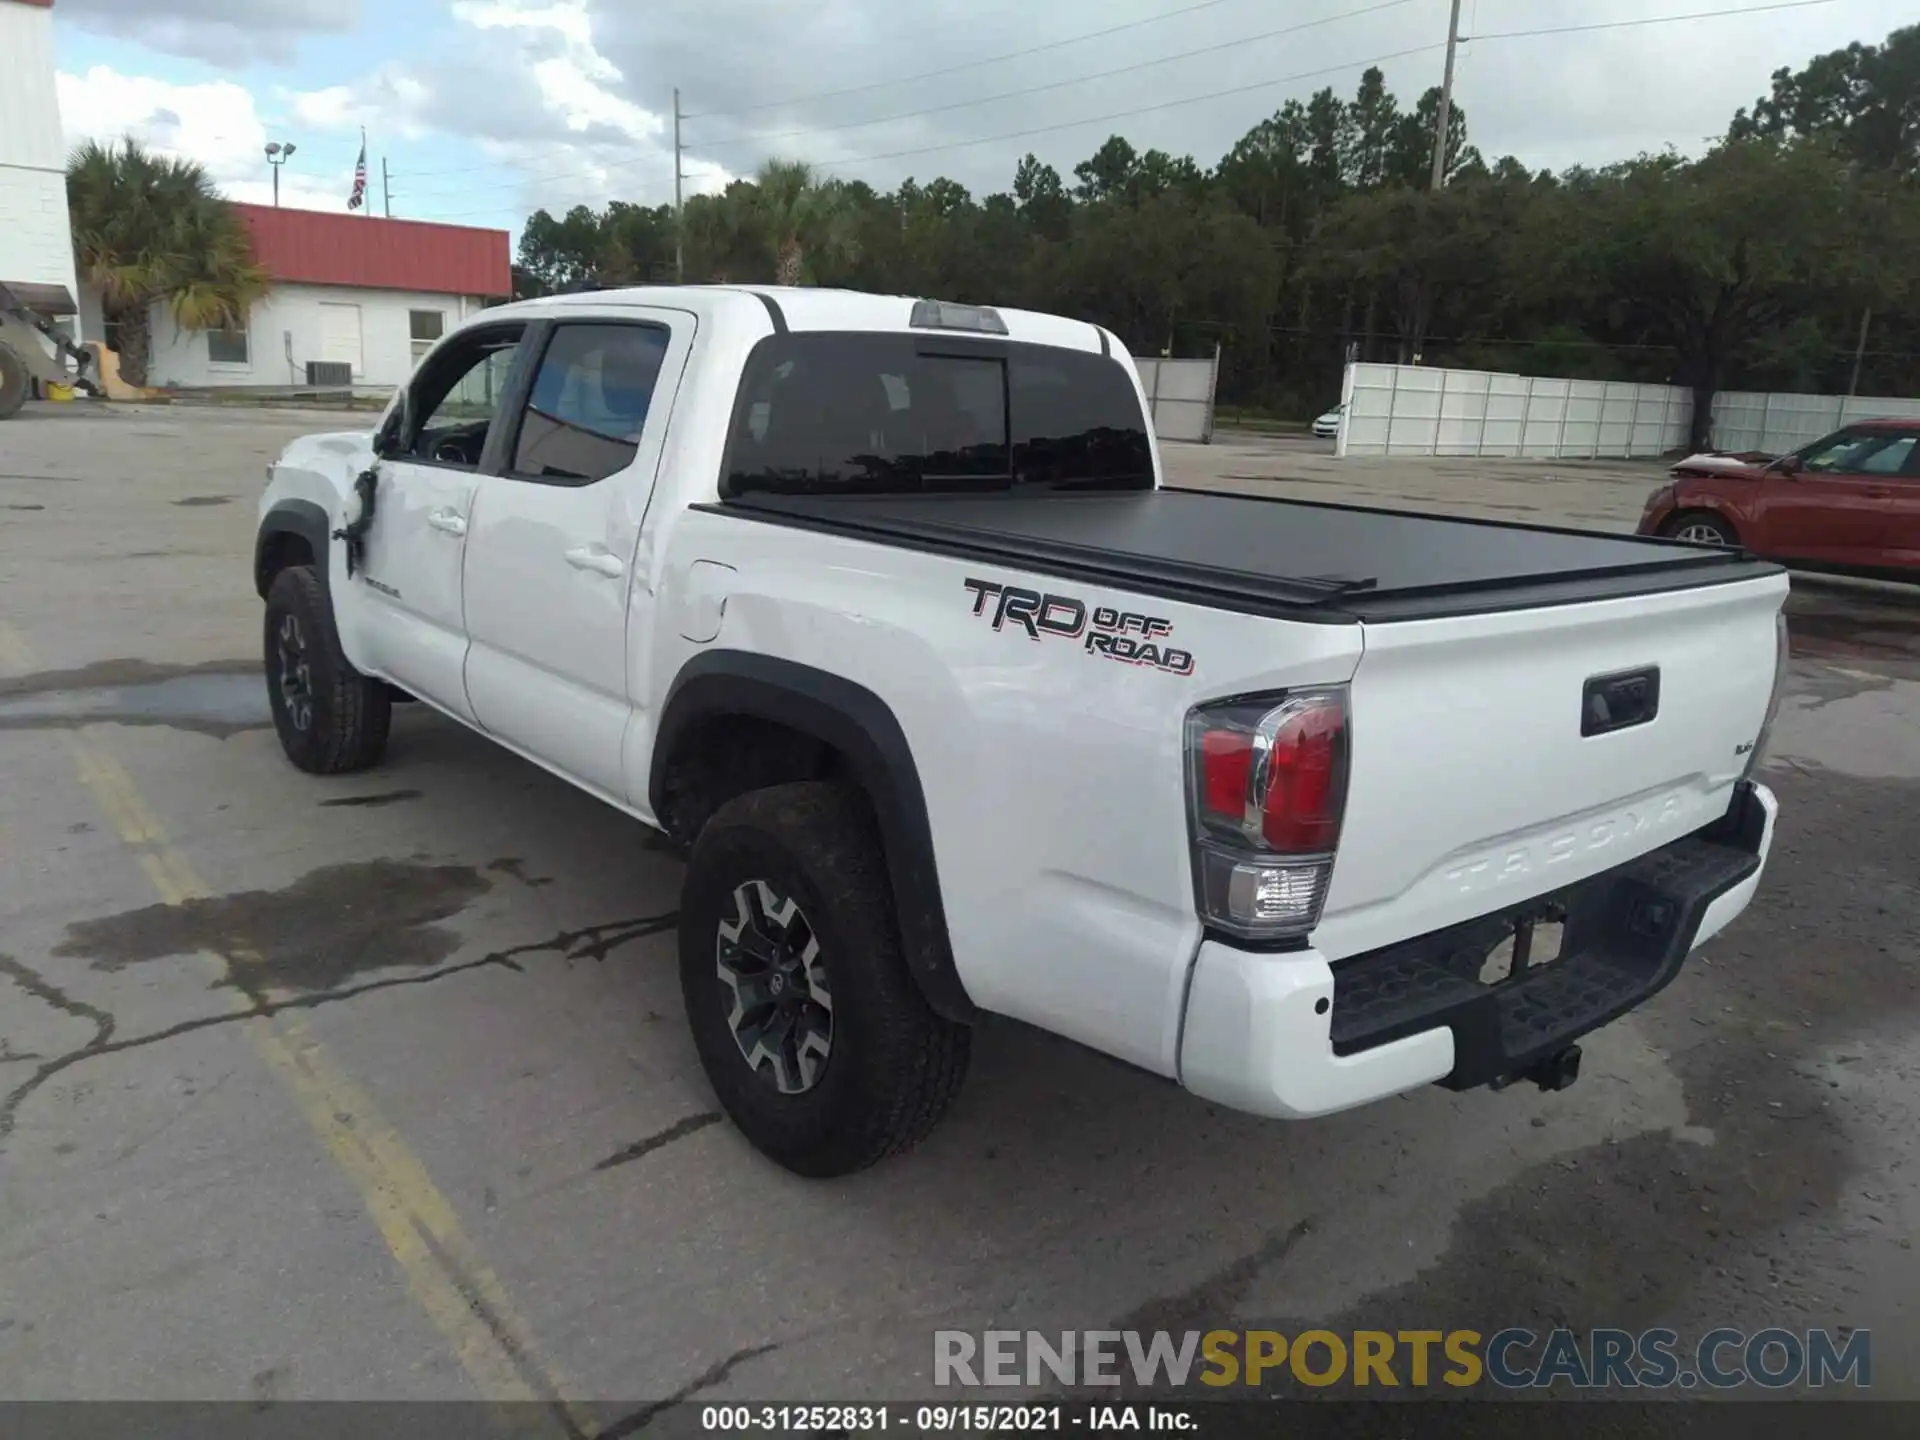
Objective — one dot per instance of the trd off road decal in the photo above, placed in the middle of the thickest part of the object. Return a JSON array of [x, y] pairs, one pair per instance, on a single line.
[[1122, 635]]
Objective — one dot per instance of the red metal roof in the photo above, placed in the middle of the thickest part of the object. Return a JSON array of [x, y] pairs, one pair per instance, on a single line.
[[317, 247]]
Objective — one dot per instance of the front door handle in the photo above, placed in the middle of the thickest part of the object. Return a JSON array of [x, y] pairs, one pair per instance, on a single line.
[[592, 557], [1879, 494], [447, 520]]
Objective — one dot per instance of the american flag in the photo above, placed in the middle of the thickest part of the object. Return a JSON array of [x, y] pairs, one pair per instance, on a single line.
[[359, 195]]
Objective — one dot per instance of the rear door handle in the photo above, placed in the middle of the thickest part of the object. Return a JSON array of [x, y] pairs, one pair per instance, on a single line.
[[594, 558], [1878, 494], [447, 520]]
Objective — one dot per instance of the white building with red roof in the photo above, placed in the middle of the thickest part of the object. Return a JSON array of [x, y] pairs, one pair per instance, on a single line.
[[356, 300]]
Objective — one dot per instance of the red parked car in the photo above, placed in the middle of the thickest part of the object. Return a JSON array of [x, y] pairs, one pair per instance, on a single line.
[[1849, 502]]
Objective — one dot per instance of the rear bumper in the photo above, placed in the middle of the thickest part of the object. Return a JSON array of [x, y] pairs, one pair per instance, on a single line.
[[1293, 1036]]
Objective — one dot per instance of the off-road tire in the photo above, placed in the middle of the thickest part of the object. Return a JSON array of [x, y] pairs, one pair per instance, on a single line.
[[15, 384], [347, 714], [895, 1066], [1701, 520]]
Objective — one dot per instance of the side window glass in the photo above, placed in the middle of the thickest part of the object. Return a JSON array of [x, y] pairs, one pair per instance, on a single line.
[[1836, 452], [589, 403], [1890, 458], [455, 394]]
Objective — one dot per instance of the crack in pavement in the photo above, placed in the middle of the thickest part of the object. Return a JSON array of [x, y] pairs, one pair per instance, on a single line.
[[706, 1379], [590, 942], [679, 1130]]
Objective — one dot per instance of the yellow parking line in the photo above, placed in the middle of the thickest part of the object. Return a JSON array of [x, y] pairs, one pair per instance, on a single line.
[[442, 1268]]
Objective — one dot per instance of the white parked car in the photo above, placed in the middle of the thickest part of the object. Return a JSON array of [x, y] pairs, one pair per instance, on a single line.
[[1327, 426], [878, 610]]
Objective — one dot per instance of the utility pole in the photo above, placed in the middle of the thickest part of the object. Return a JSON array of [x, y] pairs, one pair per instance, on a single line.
[[1859, 353], [679, 229], [386, 189], [1446, 104]]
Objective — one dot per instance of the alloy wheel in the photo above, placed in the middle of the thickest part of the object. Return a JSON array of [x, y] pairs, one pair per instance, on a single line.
[[296, 677], [779, 1007]]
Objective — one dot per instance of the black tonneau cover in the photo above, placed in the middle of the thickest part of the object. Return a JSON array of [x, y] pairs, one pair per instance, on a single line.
[[1301, 559]]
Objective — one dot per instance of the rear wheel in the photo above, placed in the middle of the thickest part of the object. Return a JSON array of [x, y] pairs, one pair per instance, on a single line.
[[14, 383], [817, 1041], [1699, 527], [331, 719]]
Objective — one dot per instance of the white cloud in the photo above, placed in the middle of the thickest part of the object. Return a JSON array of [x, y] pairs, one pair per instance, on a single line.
[[524, 81], [392, 100], [215, 123], [223, 32]]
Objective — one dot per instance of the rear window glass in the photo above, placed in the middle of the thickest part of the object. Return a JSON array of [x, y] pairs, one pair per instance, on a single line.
[[884, 414]]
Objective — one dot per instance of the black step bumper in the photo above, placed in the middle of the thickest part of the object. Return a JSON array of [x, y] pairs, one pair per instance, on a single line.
[[1626, 933]]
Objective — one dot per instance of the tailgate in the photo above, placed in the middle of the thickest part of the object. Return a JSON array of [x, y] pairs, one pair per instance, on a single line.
[[1472, 785]]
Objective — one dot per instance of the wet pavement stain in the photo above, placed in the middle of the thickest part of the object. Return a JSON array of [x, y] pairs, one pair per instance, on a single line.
[[316, 934], [1837, 623], [26, 507], [374, 802], [220, 698], [196, 500], [589, 942], [516, 868]]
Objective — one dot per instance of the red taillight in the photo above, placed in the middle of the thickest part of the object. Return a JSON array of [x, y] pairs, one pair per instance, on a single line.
[[1276, 773], [1226, 759], [1268, 788], [1304, 772]]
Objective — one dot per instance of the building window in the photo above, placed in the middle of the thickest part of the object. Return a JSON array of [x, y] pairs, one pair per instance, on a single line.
[[228, 347], [424, 327]]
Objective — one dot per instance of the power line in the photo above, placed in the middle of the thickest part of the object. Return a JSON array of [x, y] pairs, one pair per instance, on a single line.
[[1163, 105], [1647, 20], [1137, 110], [1233, 44], [1064, 125], [968, 65]]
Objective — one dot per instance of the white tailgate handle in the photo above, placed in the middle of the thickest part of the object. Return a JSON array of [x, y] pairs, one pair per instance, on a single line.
[[594, 558], [447, 520]]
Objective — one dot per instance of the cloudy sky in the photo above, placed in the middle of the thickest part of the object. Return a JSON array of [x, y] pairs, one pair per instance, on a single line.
[[484, 109]]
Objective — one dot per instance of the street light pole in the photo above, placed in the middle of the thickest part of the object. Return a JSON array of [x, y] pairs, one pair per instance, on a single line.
[[278, 155], [1442, 120]]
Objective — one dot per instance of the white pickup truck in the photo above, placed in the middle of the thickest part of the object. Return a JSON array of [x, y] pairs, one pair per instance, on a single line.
[[876, 607]]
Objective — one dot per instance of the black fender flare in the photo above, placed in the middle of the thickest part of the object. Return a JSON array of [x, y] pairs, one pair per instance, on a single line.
[[862, 727], [291, 517]]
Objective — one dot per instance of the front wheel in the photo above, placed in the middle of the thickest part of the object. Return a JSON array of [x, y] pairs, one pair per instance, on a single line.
[[331, 719], [815, 1038], [1699, 527]]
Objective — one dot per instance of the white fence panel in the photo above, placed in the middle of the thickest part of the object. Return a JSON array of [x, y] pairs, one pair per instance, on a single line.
[[1416, 410], [1781, 422], [1181, 394], [1503, 426]]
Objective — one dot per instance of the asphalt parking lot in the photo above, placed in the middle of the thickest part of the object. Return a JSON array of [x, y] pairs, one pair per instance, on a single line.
[[381, 1088]]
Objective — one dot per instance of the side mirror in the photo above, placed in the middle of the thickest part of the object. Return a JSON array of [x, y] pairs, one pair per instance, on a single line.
[[1787, 465]]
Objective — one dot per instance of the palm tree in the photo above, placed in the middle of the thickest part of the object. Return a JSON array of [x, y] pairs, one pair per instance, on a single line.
[[721, 242], [150, 229], [805, 219]]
